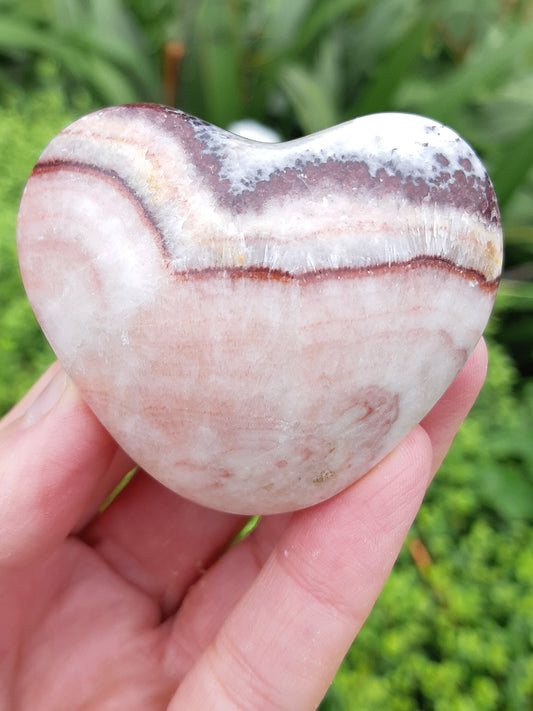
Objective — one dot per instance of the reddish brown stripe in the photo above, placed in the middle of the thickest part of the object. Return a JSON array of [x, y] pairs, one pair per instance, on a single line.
[[260, 272], [55, 166], [266, 274]]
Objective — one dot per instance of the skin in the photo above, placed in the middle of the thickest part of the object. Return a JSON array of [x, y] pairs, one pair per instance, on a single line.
[[144, 607]]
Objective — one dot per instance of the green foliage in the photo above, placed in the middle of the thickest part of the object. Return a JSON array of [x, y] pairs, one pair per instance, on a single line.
[[27, 123], [303, 65], [456, 630], [96, 44]]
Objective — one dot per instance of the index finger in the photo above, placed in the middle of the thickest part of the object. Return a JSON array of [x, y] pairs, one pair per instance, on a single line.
[[57, 462]]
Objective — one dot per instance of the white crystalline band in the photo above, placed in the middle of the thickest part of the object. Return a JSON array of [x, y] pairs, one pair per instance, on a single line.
[[352, 197]]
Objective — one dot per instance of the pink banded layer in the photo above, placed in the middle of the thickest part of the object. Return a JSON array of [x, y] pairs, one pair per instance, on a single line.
[[259, 324]]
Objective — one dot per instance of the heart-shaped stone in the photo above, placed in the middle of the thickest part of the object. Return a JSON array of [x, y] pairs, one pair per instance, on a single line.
[[259, 324]]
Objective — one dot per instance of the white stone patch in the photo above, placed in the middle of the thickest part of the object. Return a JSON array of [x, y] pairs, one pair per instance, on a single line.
[[404, 144], [249, 128], [297, 236]]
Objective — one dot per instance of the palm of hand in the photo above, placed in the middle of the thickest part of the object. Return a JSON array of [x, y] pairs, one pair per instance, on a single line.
[[80, 637], [144, 606]]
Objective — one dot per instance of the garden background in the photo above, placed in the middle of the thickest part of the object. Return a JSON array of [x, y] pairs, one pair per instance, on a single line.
[[453, 629]]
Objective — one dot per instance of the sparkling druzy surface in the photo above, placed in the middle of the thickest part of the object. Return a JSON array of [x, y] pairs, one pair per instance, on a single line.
[[258, 324]]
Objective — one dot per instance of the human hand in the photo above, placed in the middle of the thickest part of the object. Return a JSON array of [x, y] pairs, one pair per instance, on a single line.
[[144, 606]]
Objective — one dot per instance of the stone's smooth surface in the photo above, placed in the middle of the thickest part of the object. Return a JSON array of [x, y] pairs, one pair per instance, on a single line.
[[259, 324]]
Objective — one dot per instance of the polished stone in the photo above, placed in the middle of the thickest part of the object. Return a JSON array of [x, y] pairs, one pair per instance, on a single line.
[[259, 324]]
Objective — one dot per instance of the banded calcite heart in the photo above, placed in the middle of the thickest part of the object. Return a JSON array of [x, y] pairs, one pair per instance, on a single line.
[[258, 324]]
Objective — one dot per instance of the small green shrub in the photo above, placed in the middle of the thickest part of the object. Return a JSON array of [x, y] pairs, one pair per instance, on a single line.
[[457, 632], [27, 122]]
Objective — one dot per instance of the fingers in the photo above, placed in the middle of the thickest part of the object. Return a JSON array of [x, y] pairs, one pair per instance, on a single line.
[[56, 462], [20, 407], [158, 541], [287, 631], [445, 418], [283, 642], [207, 604]]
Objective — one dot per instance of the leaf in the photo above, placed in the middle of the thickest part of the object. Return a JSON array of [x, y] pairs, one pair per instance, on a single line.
[[508, 492], [282, 23], [108, 81], [392, 70], [519, 235], [308, 98], [219, 54], [115, 35], [78, 56], [516, 297], [320, 17], [15, 34], [515, 163], [115, 51], [488, 65]]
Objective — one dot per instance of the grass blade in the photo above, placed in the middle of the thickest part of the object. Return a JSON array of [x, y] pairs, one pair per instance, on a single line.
[[308, 99], [321, 17], [515, 162], [393, 68], [219, 53]]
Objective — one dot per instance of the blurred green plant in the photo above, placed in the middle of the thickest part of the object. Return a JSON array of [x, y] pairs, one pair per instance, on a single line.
[[27, 123], [96, 44], [303, 65], [453, 629]]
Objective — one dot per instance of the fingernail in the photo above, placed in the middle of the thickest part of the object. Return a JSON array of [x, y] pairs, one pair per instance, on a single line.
[[46, 400]]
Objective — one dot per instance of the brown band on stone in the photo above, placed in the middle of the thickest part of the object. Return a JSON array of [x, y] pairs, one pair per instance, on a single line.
[[258, 272], [459, 190]]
